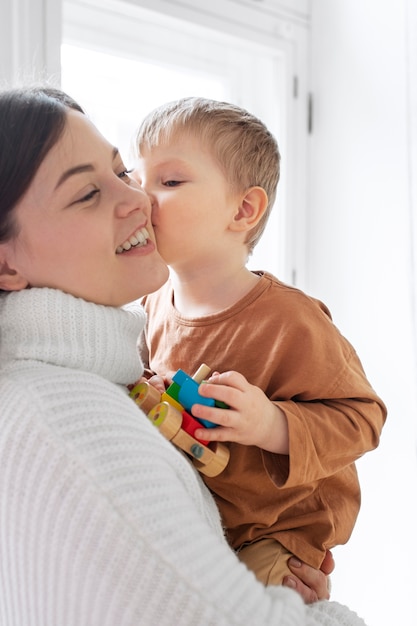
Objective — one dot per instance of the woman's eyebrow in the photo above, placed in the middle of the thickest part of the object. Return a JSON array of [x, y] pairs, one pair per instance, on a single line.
[[73, 170], [78, 169]]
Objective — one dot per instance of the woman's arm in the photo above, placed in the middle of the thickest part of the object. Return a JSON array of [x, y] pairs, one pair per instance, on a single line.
[[105, 523], [311, 584]]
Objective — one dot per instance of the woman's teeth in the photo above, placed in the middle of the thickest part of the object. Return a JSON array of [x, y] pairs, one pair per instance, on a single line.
[[138, 239]]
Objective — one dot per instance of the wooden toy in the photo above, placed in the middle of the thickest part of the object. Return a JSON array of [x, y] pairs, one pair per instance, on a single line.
[[184, 389], [171, 413], [210, 460], [145, 396]]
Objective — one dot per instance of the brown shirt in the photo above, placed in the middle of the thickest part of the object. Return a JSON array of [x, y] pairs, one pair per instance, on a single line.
[[284, 342]]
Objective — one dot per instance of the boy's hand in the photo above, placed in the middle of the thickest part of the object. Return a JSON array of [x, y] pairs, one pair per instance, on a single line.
[[157, 382], [252, 418]]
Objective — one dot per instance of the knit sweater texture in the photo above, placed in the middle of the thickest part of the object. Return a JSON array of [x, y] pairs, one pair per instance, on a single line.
[[102, 521]]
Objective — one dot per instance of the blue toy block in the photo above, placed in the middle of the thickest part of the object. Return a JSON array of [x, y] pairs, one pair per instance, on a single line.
[[188, 395]]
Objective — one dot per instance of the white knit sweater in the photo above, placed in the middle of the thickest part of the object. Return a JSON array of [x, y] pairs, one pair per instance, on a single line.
[[102, 521]]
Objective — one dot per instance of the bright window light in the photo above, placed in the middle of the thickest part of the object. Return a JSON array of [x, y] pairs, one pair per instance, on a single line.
[[118, 92]]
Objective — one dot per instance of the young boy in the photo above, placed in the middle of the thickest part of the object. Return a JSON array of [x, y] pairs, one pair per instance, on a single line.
[[301, 409]]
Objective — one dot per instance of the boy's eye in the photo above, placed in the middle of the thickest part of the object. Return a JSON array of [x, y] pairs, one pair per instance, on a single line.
[[172, 183]]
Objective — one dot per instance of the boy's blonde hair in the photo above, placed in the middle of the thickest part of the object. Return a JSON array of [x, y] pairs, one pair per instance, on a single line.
[[243, 147]]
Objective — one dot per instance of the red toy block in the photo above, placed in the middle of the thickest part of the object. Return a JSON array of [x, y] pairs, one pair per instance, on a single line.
[[190, 424]]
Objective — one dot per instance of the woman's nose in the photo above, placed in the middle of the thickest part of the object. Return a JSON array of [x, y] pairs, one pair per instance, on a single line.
[[134, 198]]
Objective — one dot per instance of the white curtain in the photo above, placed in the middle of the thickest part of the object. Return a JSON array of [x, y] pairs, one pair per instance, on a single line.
[[30, 40]]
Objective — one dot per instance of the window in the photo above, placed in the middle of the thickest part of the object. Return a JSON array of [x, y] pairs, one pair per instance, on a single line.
[[116, 101], [120, 61], [124, 90]]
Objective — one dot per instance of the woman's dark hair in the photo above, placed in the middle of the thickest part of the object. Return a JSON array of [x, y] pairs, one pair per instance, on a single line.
[[32, 120]]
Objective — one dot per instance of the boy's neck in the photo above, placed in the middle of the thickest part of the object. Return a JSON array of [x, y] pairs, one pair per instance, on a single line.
[[197, 294]]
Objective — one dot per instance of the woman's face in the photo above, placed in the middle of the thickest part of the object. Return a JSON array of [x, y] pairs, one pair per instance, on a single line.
[[84, 225]]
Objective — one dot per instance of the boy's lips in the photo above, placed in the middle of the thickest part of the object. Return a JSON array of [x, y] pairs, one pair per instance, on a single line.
[[137, 240]]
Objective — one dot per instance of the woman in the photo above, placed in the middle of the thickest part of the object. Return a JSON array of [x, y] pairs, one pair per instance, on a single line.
[[103, 522]]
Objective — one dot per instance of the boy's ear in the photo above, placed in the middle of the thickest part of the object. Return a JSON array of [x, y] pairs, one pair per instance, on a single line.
[[10, 279], [251, 208]]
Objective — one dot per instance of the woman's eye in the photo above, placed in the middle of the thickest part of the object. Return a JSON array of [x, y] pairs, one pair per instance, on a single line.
[[125, 173], [89, 196]]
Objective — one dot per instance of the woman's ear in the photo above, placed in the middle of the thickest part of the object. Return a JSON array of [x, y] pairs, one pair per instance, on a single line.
[[10, 279], [251, 208]]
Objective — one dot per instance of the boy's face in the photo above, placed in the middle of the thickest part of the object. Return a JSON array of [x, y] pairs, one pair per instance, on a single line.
[[192, 205]]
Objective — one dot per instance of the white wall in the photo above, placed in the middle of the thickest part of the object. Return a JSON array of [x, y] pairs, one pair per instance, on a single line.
[[359, 263]]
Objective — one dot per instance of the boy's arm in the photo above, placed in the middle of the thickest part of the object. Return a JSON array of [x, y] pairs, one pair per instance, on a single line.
[[352, 425]]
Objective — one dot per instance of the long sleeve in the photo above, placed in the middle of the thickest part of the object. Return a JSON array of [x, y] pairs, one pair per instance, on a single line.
[[104, 523], [285, 343]]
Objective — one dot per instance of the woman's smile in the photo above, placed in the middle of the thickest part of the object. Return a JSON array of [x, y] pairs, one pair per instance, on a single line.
[[95, 215], [137, 240]]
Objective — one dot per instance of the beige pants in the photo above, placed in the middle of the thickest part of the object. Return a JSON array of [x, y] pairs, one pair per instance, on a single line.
[[267, 558]]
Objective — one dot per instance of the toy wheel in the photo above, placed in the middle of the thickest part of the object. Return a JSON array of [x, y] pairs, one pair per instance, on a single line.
[[145, 396], [166, 418], [217, 463]]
